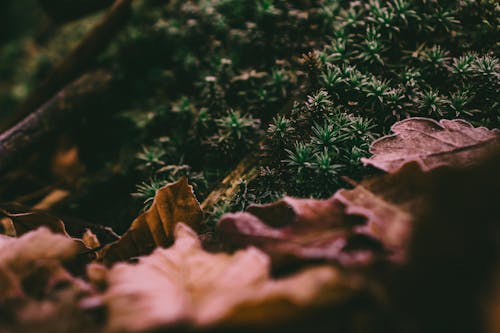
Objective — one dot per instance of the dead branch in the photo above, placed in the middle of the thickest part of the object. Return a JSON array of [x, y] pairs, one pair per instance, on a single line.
[[76, 62], [246, 170], [52, 114]]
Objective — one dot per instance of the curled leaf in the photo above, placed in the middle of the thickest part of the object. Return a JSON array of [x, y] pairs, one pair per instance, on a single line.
[[432, 144], [24, 221], [370, 223], [186, 284], [293, 230], [173, 203]]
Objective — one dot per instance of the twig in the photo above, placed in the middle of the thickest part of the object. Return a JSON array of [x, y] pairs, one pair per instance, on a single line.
[[49, 116], [245, 170], [77, 61]]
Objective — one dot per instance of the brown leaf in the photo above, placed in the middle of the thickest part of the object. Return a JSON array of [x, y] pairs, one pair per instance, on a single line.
[[186, 285], [361, 226], [90, 239], [432, 144], [173, 203], [25, 221], [37, 294], [389, 204], [292, 230], [19, 256]]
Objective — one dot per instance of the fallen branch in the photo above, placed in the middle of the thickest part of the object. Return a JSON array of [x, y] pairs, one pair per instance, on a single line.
[[15, 141], [246, 170], [77, 61]]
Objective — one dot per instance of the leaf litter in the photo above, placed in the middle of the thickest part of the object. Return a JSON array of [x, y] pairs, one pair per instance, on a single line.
[[282, 262]]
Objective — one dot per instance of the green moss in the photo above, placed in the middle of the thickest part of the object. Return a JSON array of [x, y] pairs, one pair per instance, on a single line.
[[353, 68], [304, 85]]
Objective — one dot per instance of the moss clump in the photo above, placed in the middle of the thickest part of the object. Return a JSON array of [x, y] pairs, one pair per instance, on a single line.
[[352, 68], [305, 85]]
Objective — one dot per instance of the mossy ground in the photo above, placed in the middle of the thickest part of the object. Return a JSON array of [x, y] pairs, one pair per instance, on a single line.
[[303, 85]]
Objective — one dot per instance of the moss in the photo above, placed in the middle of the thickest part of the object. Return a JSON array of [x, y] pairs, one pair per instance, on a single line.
[[304, 85], [353, 68]]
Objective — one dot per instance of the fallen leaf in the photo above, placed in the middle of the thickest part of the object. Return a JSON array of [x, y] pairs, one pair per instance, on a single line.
[[173, 203], [90, 239], [453, 262], [292, 230], [389, 205], [66, 164], [37, 294], [19, 256], [25, 221], [186, 285], [432, 144], [358, 227]]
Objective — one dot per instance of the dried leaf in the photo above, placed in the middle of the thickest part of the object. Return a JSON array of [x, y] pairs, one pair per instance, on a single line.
[[173, 203], [293, 230], [90, 239], [18, 256], [432, 144], [371, 222], [37, 294], [186, 285], [25, 221]]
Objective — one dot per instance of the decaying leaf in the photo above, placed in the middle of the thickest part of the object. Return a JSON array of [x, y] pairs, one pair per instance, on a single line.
[[300, 229], [389, 205], [173, 203], [37, 294], [18, 256], [432, 144], [186, 285], [90, 239], [25, 221], [354, 227]]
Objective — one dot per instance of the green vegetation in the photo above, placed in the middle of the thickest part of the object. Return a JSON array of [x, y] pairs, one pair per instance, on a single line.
[[304, 85], [316, 80]]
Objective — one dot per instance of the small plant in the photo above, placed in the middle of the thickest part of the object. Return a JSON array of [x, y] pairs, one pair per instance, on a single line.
[[350, 70], [430, 103], [279, 130], [299, 158], [146, 191], [151, 157]]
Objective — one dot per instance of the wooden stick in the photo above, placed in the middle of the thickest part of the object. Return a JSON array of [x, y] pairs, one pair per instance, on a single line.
[[49, 116], [76, 62], [245, 170]]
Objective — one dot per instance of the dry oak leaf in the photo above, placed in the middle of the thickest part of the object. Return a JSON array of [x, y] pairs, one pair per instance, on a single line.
[[172, 203], [295, 230], [185, 285], [432, 144]]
